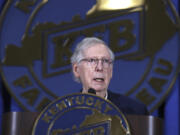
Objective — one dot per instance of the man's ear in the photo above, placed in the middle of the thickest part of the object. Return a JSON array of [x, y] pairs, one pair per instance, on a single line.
[[76, 70], [111, 72]]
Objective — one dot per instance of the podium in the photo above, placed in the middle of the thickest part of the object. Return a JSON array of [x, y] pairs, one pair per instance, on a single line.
[[21, 123]]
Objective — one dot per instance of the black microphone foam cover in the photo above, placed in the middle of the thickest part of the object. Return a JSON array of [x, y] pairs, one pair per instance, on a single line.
[[92, 91]]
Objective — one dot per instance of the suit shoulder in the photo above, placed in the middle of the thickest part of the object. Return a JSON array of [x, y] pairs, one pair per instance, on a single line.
[[127, 104]]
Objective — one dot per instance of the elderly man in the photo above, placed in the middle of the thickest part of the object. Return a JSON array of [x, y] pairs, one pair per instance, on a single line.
[[92, 64]]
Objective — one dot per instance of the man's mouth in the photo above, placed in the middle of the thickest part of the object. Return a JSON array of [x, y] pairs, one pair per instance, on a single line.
[[99, 79]]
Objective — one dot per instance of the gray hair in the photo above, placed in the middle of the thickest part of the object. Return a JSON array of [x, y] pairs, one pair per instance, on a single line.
[[84, 44]]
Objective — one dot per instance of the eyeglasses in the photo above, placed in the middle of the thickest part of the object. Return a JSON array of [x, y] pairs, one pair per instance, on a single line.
[[93, 62]]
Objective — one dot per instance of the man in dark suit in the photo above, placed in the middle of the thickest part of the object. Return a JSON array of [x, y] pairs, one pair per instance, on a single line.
[[92, 64]]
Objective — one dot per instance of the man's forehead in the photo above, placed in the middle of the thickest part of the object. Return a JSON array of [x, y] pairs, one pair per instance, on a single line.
[[97, 50]]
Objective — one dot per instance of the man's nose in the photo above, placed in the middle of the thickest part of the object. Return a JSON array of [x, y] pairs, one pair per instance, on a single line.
[[99, 66]]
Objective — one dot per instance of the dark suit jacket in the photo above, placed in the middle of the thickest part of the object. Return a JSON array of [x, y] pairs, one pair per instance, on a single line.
[[127, 105]]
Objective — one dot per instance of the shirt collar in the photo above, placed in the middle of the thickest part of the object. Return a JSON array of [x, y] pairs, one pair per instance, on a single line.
[[106, 96]]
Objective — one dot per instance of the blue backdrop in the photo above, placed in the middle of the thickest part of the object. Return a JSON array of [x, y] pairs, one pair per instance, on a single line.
[[169, 110]]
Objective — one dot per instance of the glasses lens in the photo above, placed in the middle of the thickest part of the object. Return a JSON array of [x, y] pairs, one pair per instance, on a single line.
[[106, 63]]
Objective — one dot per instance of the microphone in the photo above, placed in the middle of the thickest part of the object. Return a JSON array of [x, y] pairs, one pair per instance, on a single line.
[[92, 91]]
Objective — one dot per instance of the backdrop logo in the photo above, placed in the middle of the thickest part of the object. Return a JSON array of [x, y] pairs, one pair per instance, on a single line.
[[83, 115], [38, 37]]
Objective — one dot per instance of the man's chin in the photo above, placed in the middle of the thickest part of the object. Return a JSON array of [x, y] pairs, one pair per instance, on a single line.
[[99, 89]]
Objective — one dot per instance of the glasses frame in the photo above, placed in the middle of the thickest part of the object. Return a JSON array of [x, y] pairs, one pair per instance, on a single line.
[[93, 62]]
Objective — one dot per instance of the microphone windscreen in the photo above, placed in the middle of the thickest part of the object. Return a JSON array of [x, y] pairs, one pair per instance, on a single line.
[[92, 91]]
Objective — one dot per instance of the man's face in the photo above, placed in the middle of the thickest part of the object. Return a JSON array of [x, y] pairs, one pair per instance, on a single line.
[[96, 76]]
